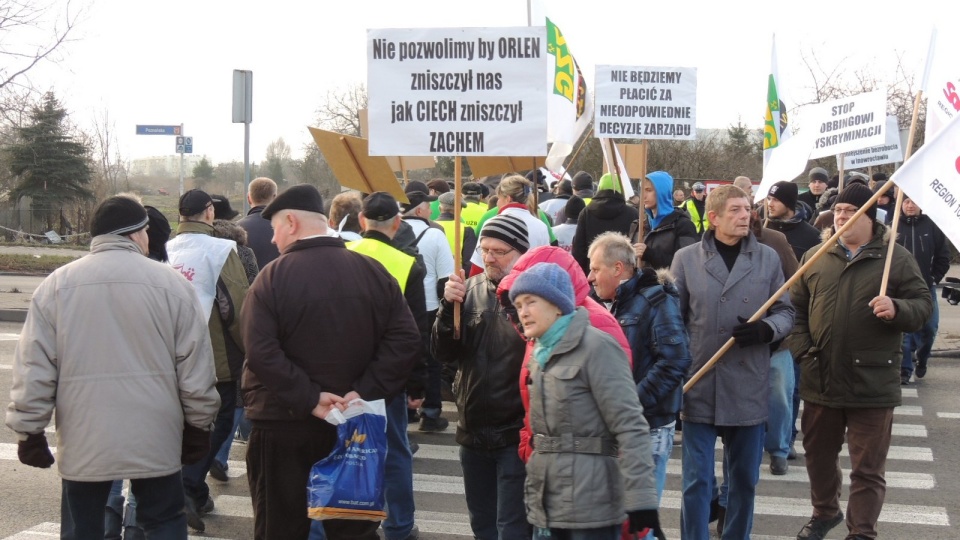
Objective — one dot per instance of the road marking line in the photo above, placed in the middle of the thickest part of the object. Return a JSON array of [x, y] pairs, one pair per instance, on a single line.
[[52, 530], [5, 366], [951, 415], [798, 473]]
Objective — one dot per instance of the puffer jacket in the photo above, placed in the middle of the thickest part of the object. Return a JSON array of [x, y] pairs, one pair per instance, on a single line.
[[801, 234], [608, 211], [600, 318], [647, 306], [848, 357], [116, 345], [592, 461], [675, 231], [487, 357], [921, 236]]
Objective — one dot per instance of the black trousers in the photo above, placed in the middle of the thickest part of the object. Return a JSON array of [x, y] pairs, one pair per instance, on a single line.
[[279, 458]]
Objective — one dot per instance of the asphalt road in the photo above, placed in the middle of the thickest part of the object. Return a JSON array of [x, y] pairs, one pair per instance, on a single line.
[[923, 497]]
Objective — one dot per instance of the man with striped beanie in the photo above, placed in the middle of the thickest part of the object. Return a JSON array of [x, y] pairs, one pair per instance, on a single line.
[[487, 355]]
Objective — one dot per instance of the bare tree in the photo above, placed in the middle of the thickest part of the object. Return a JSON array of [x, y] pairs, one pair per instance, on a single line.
[[110, 173], [340, 110], [31, 32]]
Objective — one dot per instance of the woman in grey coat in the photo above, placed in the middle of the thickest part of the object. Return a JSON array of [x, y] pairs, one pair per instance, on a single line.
[[591, 467]]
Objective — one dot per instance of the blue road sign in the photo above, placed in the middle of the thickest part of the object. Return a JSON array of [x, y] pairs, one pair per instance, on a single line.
[[157, 130]]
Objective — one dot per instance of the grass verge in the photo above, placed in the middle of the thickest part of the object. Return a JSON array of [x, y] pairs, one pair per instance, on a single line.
[[30, 264]]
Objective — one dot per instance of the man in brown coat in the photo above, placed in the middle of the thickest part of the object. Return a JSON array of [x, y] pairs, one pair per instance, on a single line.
[[322, 325]]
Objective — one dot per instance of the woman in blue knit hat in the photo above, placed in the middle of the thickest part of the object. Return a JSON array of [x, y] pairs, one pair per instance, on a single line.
[[591, 466]]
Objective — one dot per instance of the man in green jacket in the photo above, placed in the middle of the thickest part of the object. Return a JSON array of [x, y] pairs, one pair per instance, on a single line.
[[847, 341], [214, 269]]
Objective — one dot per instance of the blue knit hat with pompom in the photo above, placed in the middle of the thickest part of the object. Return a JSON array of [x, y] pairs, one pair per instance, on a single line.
[[548, 281]]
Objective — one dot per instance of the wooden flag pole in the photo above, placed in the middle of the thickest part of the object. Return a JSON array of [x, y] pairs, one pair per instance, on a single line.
[[643, 178], [403, 171], [829, 244], [896, 211], [457, 231], [840, 185], [536, 189], [577, 152]]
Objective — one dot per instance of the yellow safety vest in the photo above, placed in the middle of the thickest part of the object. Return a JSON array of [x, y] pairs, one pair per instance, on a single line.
[[587, 200], [397, 263], [695, 217], [451, 232], [472, 213]]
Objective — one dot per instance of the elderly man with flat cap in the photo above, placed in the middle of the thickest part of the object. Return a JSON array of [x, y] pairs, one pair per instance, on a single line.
[[141, 373], [322, 325]]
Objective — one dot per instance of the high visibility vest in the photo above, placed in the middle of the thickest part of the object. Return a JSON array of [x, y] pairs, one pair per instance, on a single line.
[[695, 217], [451, 232], [397, 263], [586, 200], [471, 214]]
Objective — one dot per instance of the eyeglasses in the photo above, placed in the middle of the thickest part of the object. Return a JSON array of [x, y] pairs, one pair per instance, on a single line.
[[495, 253], [845, 211]]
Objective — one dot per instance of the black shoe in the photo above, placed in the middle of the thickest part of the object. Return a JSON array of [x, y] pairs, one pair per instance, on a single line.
[[721, 517], [792, 454], [921, 370], [816, 529], [715, 509], [412, 416], [219, 471], [193, 517], [207, 506], [904, 380], [414, 533], [433, 425], [778, 466]]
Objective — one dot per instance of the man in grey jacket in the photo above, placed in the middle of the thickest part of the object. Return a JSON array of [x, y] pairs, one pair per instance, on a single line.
[[722, 282], [142, 372]]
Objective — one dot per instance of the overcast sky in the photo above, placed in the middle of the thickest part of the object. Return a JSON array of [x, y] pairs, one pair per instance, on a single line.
[[171, 62]]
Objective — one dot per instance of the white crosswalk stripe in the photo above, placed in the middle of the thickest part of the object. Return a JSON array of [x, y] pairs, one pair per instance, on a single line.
[[782, 502]]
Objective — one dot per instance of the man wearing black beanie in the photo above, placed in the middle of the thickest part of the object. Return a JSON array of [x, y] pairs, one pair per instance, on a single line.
[[139, 372], [847, 341]]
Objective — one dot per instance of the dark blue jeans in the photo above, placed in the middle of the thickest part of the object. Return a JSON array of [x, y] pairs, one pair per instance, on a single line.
[[159, 508], [921, 341], [195, 476], [493, 483], [432, 402], [398, 473], [743, 451]]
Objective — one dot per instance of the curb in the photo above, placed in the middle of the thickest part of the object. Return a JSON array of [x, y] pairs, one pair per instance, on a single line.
[[13, 315]]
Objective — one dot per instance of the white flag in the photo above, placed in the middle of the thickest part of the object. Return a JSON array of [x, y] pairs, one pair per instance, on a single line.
[[625, 184], [931, 178], [569, 104], [776, 128], [941, 81]]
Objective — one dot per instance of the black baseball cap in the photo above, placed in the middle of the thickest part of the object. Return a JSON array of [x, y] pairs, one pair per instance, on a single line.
[[380, 206], [194, 201]]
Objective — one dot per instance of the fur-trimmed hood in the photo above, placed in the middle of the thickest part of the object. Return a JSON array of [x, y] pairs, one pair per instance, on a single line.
[[230, 230]]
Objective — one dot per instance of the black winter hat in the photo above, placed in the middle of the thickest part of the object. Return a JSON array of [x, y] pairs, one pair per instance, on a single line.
[[857, 194], [574, 206], [118, 215], [785, 192], [582, 180], [158, 234], [300, 197], [509, 229], [222, 208]]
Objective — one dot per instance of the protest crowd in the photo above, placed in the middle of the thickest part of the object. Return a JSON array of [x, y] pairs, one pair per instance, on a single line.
[[564, 330]]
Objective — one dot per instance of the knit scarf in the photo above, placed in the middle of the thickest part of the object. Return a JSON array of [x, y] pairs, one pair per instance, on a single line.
[[545, 343]]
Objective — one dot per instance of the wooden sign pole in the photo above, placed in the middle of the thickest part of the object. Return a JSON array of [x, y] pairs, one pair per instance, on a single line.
[[828, 245], [840, 175], [403, 171], [457, 232], [885, 280]]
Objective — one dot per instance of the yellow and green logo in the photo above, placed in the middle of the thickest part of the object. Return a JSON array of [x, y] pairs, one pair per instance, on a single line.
[[566, 70], [357, 439], [775, 120]]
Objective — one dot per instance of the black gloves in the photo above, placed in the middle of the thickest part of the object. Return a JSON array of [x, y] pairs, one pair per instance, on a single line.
[[196, 444], [35, 451], [646, 519], [749, 334]]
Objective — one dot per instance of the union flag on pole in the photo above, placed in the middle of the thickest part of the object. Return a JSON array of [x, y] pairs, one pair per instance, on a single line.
[[775, 125], [931, 178], [569, 105]]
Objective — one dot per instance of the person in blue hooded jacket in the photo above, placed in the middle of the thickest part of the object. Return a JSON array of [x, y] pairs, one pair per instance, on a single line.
[[665, 229]]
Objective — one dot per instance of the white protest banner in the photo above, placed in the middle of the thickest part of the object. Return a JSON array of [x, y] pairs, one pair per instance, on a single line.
[[848, 124], [890, 152], [646, 102], [457, 91], [941, 81], [931, 178]]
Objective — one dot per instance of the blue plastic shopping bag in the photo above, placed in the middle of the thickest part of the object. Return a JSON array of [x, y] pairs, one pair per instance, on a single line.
[[348, 484]]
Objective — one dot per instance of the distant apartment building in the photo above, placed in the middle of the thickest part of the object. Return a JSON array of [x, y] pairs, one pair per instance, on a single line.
[[168, 166]]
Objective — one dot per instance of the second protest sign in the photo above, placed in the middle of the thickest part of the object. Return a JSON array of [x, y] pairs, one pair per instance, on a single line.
[[646, 102]]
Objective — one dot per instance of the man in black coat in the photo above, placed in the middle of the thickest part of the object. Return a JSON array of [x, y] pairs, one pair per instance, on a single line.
[[259, 234]]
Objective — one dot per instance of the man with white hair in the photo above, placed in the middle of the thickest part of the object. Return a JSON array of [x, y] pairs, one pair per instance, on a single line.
[[299, 366]]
